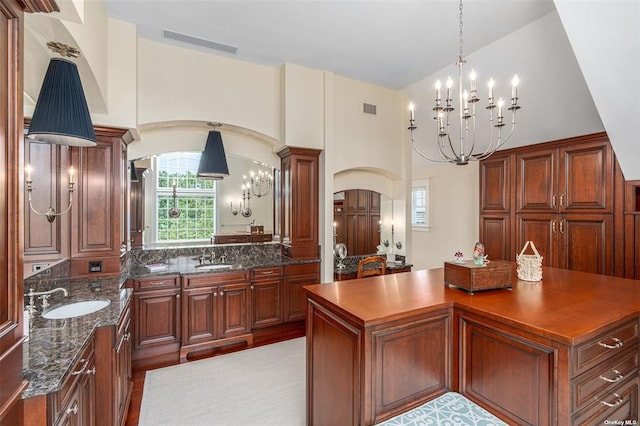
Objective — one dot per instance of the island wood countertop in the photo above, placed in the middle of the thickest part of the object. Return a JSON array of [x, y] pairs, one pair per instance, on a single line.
[[561, 351], [567, 306]]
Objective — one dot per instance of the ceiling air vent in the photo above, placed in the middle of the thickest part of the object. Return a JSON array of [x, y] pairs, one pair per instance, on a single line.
[[199, 41], [369, 109]]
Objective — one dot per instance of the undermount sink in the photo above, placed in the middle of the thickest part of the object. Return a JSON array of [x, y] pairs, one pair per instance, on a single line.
[[209, 267], [76, 309]]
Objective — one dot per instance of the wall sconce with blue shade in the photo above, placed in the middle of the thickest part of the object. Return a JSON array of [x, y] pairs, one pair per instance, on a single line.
[[61, 115], [134, 173], [213, 161]]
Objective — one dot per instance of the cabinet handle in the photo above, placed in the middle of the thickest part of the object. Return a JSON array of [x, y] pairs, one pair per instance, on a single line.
[[91, 371], [619, 376], [222, 293], [553, 201], [617, 343], [553, 226], [126, 336], [73, 409], [562, 226], [177, 296], [266, 272], [562, 200], [215, 293], [82, 370], [155, 283], [252, 287], [615, 403]]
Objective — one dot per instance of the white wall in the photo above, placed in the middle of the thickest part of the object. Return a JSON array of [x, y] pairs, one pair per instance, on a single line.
[[454, 215]]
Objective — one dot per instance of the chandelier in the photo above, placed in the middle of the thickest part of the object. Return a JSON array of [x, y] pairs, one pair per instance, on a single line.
[[463, 150], [259, 183]]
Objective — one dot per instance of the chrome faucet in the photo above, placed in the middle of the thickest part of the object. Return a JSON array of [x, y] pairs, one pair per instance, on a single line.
[[44, 297]]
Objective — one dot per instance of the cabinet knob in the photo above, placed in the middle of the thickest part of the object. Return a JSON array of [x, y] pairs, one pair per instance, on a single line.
[[252, 287], [215, 293], [222, 293], [91, 371], [127, 336]]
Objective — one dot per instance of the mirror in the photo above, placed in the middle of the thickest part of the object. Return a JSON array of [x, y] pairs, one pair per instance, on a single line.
[[362, 220], [239, 204]]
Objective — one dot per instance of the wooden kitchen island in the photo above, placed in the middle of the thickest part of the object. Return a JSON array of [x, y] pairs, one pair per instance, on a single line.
[[557, 352]]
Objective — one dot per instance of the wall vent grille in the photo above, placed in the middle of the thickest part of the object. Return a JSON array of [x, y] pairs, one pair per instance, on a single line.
[[369, 109], [209, 44]]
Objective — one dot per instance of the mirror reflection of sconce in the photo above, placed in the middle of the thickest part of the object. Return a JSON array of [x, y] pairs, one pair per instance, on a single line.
[[398, 245], [246, 198], [259, 183], [233, 212], [174, 212], [50, 214]]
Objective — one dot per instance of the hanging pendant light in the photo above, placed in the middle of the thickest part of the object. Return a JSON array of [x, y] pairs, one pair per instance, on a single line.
[[61, 115], [213, 161]]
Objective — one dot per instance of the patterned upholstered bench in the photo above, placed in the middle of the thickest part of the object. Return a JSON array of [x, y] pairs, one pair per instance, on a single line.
[[449, 409]]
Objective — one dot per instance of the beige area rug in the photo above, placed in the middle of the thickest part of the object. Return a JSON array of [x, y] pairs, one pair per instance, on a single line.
[[262, 386]]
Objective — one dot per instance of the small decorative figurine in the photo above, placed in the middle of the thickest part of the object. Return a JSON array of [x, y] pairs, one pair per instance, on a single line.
[[478, 254], [459, 257]]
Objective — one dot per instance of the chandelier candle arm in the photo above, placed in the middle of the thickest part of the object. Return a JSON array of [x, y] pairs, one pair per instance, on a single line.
[[467, 97]]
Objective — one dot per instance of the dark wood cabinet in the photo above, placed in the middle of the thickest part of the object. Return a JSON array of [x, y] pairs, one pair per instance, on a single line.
[[299, 204], [632, 229], [11, 207], [562, 199], [113, 365], [357, 221], [491, 357], [157, 323], [75, 401], [216, 311], [295, 299], [267, 297], [97, 218]]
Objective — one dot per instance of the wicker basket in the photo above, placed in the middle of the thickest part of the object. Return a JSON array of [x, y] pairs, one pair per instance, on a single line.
[[529, 265]]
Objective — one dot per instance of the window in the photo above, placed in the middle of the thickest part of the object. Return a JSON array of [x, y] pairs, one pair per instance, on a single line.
[[420, 205], [195, 198]]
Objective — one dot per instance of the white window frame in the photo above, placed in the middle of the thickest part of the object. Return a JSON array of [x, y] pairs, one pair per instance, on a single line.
[[421, 184], [181, 191]]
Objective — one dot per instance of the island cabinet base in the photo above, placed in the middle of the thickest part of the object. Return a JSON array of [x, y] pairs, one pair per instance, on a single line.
[[409, 359]]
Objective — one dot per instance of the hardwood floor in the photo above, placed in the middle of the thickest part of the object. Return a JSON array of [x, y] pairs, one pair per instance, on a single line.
[[260, 338]]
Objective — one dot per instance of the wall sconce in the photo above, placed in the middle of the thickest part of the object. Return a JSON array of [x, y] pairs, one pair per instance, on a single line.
[[174, 212], [246, 199], [50, 214], [213, 161], [398, 245], [233, 212], [61, 115]]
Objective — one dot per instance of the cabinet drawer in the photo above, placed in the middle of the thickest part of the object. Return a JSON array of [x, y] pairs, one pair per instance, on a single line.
[[303, 268], [604, 346], [84, 363], [260, 238], [259, 273], [618, 404], [214, 279], [156, 283], [601, 379]]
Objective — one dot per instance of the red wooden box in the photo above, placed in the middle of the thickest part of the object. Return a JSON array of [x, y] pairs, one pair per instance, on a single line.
[[471, 277]]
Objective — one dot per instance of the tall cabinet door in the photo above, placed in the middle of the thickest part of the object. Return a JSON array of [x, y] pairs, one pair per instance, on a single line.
[[536, 184], [586, 178], [496, 177], [542, 230], [585, 242]]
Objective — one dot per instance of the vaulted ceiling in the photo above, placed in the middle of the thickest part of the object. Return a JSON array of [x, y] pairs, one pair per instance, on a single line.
[[575, 59]]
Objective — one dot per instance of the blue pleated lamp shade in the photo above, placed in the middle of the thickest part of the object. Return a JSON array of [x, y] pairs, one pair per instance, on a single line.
[[213, 161], [61, 115], [134, 173]]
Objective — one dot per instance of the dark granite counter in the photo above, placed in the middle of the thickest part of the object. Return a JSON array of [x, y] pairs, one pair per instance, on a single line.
[[54, 345], [186, 265]]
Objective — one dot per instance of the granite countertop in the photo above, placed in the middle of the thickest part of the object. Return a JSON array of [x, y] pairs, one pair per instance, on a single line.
[[53, 345], [186, 265]]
